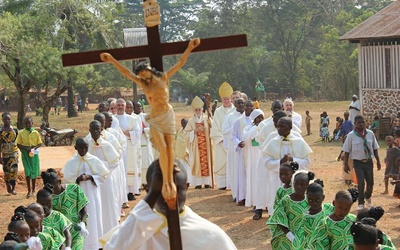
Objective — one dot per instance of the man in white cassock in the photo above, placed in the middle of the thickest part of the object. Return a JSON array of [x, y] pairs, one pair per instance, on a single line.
[[132, 129], [110, 158], [252, 155], [227, 131], [288, 106], [122, 141], [280, 149], [119, 173], [181, 149], [92, 174], [200, 159], [146, 226], [354, 108], [221, 145], [145, 143], [240, 146]]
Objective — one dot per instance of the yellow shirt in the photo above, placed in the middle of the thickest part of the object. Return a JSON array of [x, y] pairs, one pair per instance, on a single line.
[[256, 105], [27, 138]]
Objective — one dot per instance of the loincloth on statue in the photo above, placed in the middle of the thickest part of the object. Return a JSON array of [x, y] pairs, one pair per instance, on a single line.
[[164, 124]]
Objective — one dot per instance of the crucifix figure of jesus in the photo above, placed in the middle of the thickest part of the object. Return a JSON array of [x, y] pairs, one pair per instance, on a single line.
[[155, 85]]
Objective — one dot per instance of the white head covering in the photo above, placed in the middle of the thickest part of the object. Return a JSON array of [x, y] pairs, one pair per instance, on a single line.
[[255, 114], [355, 96]]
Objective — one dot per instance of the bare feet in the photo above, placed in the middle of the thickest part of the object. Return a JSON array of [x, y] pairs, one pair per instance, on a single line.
[[169, 193], [385, 192]]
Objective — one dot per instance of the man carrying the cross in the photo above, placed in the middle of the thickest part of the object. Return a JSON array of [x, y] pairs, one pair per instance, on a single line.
[[155, 85]]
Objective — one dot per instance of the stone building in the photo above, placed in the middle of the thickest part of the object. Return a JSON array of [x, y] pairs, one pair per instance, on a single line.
[[378, 40]]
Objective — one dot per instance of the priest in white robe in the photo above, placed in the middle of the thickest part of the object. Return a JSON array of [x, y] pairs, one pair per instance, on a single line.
[[220, 145], [145, 143], [227, 131], [240, 145], [200, 159], [110, 158], [283, 148], [252, 156], [93, 172], [131, 127], [288, 106], [146, 226], [263, 134], [181, 149]]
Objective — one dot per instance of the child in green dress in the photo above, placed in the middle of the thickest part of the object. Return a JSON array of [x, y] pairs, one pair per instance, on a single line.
[[75, 211], [333, 231], [375, 213], [28, 141], [289, 211], [286, 172], [52, 218], [365, 237], [316, 212]]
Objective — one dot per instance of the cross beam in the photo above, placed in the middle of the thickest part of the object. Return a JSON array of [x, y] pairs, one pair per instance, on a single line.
[[144, 51]]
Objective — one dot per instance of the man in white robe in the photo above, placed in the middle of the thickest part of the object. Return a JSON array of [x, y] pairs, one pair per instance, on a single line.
[[220, 145], [181, 148], [283, 148], [145, 143], [119, 173], [253, 155], [93, 174], [240, 146], [108, 191], [354, 108], [263, 133], [227, 131], [131, 127], [146, 229], [288, 106], [200, 160]]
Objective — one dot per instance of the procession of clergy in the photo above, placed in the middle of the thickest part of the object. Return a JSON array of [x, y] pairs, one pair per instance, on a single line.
[[226, 146]]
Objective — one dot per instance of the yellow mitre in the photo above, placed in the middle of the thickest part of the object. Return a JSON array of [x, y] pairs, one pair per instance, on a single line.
[[225, 90], [197, 103]]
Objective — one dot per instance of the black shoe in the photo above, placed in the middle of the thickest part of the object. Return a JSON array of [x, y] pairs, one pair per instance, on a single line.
[[197, 187], [207, 186], [131, 197], [257, 215], [224, 188]]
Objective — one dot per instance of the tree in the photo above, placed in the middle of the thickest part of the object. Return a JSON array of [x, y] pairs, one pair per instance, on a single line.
[[189, 83]]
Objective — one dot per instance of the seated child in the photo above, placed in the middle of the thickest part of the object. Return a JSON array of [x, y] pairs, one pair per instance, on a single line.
[[332, 232], [284, 222]]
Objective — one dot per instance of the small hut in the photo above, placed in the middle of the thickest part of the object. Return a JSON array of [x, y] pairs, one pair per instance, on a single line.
[[378, 40], [135, 37]]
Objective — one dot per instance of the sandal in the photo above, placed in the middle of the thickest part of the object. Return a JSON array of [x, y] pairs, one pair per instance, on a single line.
[[13, 192], [28, 195], [257, 216]]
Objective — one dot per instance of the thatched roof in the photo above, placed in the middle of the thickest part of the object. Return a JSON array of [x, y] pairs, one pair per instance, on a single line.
[[383, 25]]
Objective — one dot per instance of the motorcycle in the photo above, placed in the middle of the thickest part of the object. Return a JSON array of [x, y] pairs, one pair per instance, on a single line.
[[53, 137]]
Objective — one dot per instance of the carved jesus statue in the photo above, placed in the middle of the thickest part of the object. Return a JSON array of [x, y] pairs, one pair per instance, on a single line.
[[155, 86]]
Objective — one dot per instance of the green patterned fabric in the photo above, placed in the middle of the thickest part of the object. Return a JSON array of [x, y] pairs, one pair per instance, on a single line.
[[69, 203], [51, 239], [57, 221], [288, 213], [334, 235], [308, 224], [384, 247], [280, 193], [387, 241]]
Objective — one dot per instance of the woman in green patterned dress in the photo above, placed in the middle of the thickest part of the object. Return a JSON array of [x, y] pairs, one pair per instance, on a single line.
[[333, 231], [317, 211], [376, 213], [9, 153], [71, 201], [52, 218], [289, 211], [365, 237]]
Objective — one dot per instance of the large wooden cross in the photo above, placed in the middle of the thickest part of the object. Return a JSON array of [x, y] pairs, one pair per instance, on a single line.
[[155, 50]]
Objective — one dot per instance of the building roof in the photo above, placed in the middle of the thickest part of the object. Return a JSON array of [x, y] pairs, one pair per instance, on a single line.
[[383, 25]]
